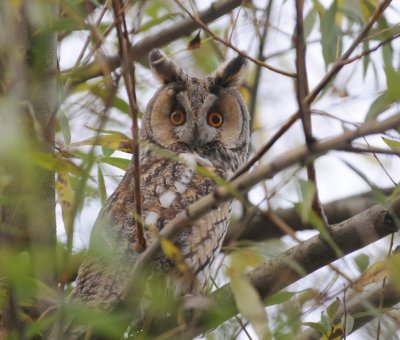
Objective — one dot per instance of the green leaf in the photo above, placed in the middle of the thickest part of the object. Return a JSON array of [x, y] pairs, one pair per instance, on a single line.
[[379, 105], [330, 35], [116, 141], [349, 323], [121, 163], [362, 262], [315, 325], [55, 163], [366, 59], [249, 304], [66, 198], [307, 190], [326, 323], [309, 22], [279, 298], [332, 309], [156, 21], [102, 186], [64, 125]]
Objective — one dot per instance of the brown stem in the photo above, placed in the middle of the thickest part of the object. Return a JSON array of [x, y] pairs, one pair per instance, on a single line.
[[201, 24], [160, 38], [336, 67], [128, 73]]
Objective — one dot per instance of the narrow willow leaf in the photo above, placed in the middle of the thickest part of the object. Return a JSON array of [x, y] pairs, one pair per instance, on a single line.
[[64, 125], [309, 22], [249, 304], [362, 262], [55, 163], [279, 298], [315, 325], [332, 309], [116, 141], [307, 190], [393, 144], [330, 35], [121, 163], [66, 198], [379, 105], [102, 186], [349, 323]]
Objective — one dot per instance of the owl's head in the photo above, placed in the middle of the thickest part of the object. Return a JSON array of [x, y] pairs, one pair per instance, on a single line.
[[207, 116]]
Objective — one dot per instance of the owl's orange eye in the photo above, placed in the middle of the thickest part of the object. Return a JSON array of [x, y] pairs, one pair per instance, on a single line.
[[177, 118], [215, 119]]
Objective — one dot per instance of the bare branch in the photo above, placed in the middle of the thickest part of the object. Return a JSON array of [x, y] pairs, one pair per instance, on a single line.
[[336, 67], [160, 38], [128, 73], [200, 23]]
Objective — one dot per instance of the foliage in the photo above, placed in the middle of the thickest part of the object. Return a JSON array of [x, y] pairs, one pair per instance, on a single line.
[[66, 132]]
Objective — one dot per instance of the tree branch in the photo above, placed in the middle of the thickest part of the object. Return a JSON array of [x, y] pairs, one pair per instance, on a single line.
[[128, 73], [336, 67], [261, 227], [276, 274], [242, 184]]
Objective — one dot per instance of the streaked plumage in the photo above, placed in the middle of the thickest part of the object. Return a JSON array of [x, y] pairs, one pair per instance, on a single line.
[[168, 185]]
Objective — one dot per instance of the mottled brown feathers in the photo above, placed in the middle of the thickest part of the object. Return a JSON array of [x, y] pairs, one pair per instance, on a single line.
[[170, 184]]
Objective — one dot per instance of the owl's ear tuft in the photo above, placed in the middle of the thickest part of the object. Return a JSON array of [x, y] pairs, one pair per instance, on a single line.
[[163, 68], [232, 73]]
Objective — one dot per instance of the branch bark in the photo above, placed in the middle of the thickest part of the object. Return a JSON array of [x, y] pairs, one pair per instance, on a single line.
[[243, 184], [276, 274], [261, 227]]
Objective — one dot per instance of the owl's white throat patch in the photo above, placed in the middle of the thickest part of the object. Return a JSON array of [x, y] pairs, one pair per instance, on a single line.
[[194, 159]]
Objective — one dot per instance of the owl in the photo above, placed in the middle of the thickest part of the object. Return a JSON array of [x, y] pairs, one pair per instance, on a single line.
[[202, 123]]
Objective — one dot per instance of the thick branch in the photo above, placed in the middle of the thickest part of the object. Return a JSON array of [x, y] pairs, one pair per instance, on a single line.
[[261, 227], [244, 183], [160, 38], [276, 274]]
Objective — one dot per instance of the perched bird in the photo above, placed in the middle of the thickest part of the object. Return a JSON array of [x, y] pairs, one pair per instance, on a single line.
[[203, 122]]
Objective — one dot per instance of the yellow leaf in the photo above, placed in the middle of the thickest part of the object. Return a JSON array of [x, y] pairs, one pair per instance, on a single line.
[[249, 304], [117, 141], [243, 258], [66, 198], [172, 252], [336, 333], [377, 272]]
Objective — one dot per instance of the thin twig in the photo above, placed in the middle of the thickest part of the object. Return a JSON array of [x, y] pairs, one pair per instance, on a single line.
[[200, 23], [128, 73], [336, 67], [171, 33]]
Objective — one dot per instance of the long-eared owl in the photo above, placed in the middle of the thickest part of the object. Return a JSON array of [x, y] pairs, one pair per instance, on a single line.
[[203, 122]]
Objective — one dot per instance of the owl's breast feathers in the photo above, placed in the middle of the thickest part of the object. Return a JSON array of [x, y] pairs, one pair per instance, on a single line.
[[167, 187]]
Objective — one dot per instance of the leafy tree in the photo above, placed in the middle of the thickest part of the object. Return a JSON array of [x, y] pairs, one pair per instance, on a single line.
[[323, 93]]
